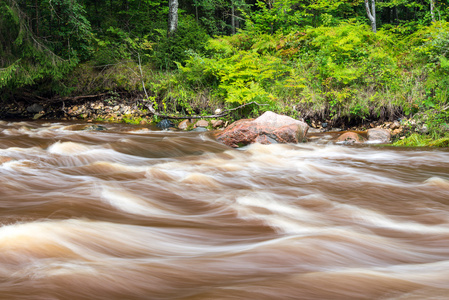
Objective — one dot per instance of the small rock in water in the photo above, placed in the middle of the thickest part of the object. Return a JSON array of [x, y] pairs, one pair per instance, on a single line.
[[335, 129], [350, 138], [200, 129], [95, 128], [165, 124], [324, 125], [314, 130]]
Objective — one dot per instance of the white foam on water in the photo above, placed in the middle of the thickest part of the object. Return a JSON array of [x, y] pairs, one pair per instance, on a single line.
[[437, 182], [78, 239], [118, 167], [281, 216], [140, 131], [77, 154], [375, 219], [200, 179], [68, 148], [130, 203]]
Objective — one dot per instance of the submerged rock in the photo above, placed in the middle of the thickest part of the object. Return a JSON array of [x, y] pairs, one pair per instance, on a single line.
[[95, 128], [200, 129], [350, 138], [266, 129]]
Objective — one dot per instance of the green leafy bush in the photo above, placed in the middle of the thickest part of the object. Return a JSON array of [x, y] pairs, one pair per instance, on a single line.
[[241, 76], [169, 50]]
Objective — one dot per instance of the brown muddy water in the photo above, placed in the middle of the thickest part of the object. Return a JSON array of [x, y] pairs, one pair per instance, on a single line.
[[130, 213]]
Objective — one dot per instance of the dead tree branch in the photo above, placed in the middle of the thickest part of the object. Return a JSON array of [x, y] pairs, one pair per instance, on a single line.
[[224, 113]]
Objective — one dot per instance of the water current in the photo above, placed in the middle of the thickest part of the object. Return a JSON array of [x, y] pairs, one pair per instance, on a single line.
[[137, 213]]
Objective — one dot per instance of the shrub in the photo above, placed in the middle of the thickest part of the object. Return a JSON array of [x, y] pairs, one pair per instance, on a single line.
[[169, 50]]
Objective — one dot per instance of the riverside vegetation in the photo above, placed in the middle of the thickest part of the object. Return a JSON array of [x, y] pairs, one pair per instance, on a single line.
[[316, 60]]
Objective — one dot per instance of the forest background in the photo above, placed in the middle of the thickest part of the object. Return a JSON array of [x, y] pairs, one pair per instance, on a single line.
[[338, 61]]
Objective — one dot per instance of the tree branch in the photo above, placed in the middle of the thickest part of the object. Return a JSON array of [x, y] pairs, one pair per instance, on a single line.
[[224, 113]]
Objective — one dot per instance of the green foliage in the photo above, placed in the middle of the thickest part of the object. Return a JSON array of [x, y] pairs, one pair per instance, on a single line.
[[431, 42], [25, 60], [240, 76], [215, 15], [348, 54], [118, 45], [172, 49], [273, 16], [420, 140], [431, 51]]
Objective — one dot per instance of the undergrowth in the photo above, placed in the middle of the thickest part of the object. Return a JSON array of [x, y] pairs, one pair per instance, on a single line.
[[421, 140]]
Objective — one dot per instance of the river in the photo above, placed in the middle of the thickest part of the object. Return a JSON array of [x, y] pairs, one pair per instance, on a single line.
[[136, 213]]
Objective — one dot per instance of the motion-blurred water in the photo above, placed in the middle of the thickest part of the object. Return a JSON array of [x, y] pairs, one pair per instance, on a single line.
[[137, 213]]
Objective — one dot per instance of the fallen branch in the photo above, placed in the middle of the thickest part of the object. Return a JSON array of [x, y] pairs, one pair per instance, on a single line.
[[224, 113], [62, 99]]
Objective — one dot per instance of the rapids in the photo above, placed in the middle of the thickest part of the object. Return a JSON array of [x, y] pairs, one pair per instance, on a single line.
[[138, 213]]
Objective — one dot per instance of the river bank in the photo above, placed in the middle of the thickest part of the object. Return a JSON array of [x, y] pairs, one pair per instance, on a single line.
[[104, 108]]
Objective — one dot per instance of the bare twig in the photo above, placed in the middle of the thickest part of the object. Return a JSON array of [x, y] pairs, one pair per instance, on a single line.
[[224, 113], [55, 100]]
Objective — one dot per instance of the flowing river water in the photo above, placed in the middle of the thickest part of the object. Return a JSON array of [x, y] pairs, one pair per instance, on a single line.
[[137, 213]]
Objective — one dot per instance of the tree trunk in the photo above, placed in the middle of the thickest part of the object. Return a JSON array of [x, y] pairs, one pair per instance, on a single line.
[[37, 17], [233, 18], [432, 9], [371, 11], [196, 10], [172, 17]]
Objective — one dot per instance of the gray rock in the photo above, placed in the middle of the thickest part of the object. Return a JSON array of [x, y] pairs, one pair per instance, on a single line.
[[95, 128], [165, 124], [378, 135], [314, 130], [35, 108], [335, 129], [200, 129]]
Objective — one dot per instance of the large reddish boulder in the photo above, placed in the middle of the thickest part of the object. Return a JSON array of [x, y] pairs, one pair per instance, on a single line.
[[267, 129]]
